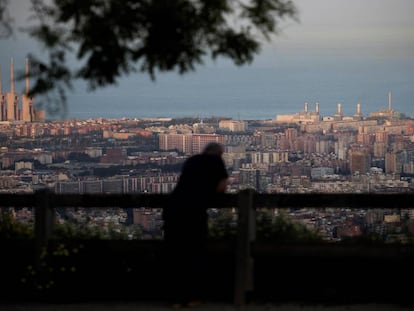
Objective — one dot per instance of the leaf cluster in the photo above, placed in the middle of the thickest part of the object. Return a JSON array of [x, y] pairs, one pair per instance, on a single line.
[[270, 228], [10, 228], [6, 20], [281, 229]]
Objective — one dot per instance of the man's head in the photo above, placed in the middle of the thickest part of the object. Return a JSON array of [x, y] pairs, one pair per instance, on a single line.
[[214, 149]]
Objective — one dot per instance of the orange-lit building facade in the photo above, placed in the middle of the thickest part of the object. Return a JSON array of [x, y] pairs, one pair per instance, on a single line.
[[188, 143]]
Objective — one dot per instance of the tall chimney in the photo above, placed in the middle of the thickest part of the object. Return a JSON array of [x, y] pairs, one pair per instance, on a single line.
[[317, 107], [389, 101], [27, 76], [339, 110], [11, 76], [358, 109], [306, 107]]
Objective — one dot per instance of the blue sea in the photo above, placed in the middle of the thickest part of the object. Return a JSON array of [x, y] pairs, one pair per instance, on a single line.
[[254, 92]]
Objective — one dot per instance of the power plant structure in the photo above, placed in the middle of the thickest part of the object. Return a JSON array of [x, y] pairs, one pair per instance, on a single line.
[[314, 116], [18, 107]]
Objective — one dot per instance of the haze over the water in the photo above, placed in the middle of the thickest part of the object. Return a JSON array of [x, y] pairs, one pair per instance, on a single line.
[[345, 51]]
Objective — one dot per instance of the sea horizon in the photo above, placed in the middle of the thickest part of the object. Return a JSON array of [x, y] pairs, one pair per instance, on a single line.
[[250, 93]]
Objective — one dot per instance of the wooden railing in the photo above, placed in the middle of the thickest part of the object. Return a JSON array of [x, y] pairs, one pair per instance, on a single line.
[[247, 201]]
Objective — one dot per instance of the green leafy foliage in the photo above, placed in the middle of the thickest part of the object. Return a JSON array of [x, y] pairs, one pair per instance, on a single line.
[[72, 231], [5, 20], [282, 229], [10, 228], [222, 225], [270, 228]]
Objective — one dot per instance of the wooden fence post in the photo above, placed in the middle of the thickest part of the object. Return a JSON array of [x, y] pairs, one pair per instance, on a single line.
[[44, 219], [245, 234]]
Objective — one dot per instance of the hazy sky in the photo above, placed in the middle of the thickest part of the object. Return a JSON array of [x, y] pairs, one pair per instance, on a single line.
[[343, 33], [350, 28]]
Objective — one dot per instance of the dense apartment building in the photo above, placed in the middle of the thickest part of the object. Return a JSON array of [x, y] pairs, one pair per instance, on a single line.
[[359, 160], [233, 125], [120, 184], [188, 143], [180, 142]]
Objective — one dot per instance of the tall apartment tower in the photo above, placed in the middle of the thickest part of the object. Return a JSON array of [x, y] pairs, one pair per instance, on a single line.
[[201, 140], [12, 98], [291, 137], [180, 142], [28, 112], [359, 160]]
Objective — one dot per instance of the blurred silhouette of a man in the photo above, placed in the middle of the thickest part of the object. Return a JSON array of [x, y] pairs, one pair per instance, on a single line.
[[185, 218]]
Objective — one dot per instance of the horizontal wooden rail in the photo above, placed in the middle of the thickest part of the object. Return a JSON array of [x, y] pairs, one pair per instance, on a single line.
[[260, 200], [100, 200]]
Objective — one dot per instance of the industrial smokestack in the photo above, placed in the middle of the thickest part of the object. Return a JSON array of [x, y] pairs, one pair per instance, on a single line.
[[306, 107], [317, 107], [358, 109], [389, 101], [339, 109], [27, 76], [11, 76]]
